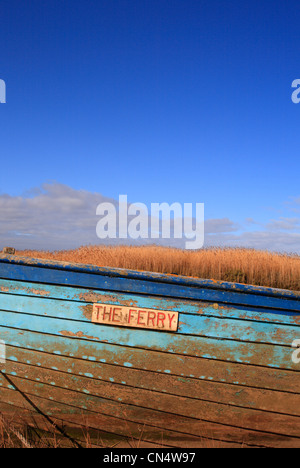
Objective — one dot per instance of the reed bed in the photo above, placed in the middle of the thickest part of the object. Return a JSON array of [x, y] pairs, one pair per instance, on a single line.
[[240, 265]]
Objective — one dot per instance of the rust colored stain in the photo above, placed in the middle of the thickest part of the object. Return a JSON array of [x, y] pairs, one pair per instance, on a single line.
[[38, 292], [35, 292], [115, 299], [203, 308], [78, 335], [87, 311], [94, 297]]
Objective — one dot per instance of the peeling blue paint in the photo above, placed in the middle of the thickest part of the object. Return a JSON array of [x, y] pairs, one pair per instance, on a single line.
[[252, 328]]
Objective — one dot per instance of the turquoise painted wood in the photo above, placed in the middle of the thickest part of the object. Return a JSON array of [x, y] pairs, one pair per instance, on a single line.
[[229, 374]]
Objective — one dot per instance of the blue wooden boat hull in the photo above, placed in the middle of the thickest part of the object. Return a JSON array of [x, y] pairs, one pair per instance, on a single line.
[[226, 377]]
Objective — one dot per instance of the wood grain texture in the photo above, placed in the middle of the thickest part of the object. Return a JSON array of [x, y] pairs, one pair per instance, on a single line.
[[226, 374]]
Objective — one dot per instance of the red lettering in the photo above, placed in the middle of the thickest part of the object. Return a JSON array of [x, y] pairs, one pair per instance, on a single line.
[[114, 316], [161, 318], [148, 318], [130, 314], [106, 313], [139, 316], [151, 317], [98, 307], [170, 319]]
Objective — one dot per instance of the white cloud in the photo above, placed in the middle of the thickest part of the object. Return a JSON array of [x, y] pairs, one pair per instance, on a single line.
[[287, 224], [264, 240], [53, 217], [213, 226], [56, 216]]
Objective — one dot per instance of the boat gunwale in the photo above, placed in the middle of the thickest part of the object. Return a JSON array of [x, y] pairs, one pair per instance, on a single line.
[[187, 281]]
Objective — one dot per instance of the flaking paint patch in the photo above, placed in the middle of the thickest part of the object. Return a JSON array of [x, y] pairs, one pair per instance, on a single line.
[[78, 335], [33, 291], [94, 297], [205, 306], [87, 311], [39, 292]]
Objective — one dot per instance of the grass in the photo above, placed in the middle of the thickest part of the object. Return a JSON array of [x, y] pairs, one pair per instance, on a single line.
[[17, 434], [240, 265], [22, 435]]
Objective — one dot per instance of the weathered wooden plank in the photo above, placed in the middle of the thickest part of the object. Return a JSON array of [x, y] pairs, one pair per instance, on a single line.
[[85, 377], [154, 361], [149, 286], [40, 433], [82, 429], [111, 430], [157, 427], [119, 298], [212, 348], [189, 324], [225, 366], [161, 410]]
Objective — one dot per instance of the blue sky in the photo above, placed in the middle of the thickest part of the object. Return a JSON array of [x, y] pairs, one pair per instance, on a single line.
[[165, 101]]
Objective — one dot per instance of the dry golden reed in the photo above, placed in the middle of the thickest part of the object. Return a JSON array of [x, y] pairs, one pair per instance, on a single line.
[[239, 265]]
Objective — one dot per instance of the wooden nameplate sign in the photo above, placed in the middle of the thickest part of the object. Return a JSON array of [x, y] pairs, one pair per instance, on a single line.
[[135, 317]]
